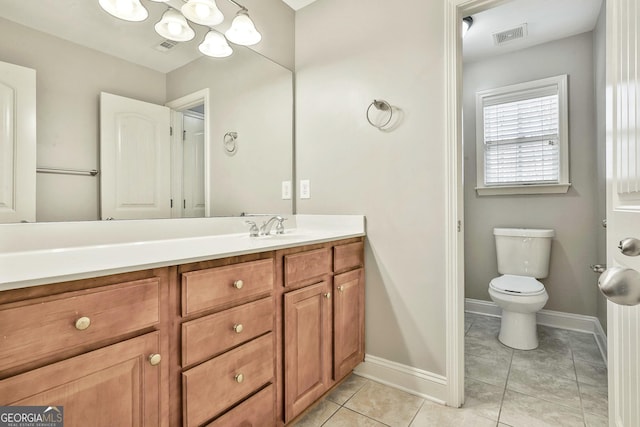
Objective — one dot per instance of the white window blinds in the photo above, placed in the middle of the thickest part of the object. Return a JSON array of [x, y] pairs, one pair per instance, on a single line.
[[521, 140]]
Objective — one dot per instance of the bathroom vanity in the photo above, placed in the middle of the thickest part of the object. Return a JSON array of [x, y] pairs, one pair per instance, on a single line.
[[224, 335]]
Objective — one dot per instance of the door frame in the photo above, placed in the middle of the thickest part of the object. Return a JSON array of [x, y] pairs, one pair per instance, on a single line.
[[201, 97]]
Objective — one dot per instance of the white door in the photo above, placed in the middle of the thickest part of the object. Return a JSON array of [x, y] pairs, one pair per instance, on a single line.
[[17, 143], [135, 159], [193, 166], [623, 210]]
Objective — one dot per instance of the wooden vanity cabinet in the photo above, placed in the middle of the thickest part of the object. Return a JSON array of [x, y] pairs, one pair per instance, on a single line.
[[94, 346]]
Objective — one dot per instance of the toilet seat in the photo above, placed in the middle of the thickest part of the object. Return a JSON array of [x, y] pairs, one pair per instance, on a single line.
[[516, 285]]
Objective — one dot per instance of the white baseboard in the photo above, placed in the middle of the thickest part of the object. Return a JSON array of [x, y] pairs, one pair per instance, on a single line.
[[555, 319], [406, 378]]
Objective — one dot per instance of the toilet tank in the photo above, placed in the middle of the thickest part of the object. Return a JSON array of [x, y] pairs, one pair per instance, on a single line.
[[523, 251]]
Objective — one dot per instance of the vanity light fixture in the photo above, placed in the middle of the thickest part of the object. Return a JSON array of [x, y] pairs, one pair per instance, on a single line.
[[243, 30], [215, 45], [129, 10], [174, 26], [467, 22], [203, 12]]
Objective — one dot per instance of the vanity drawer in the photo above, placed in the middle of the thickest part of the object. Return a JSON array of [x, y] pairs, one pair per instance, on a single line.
[[45, 326], [214, 334], [256, 411], [220, 286], [349, 256], [307, 265], [212, 387]]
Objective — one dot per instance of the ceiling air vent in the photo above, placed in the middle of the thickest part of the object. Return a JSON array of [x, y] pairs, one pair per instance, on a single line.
[[512, 34], [166, 45]]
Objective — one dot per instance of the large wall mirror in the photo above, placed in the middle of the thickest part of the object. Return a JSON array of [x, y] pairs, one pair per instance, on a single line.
[[249, 109]]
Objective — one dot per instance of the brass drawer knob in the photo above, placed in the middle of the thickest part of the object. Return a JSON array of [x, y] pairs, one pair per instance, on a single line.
[[327, 295], [239, 378], [155, 359], [238, 328], [83, 323], [238, 284], [341, 288]]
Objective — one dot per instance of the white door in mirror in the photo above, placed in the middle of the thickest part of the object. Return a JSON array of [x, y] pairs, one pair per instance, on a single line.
[[17, 143], [135, 159]]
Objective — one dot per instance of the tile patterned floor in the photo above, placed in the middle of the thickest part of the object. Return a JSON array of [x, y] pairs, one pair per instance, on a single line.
[[561, 383]]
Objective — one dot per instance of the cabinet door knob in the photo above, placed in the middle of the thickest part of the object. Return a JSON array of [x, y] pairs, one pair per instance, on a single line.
[[238, 284], [327, 295], [155, 359], [238, 328], [83, 323], [239, 378], [341, 288]]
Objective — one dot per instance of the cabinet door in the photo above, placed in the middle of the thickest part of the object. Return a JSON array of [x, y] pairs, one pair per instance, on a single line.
[[113, 386], [307, 346], [348, 323]]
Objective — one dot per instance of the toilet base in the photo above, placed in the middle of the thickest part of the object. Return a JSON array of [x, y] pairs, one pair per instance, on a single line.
[[518, 330]]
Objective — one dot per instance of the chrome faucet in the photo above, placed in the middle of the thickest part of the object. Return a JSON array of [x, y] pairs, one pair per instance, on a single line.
[[253, 228], [265, 228]]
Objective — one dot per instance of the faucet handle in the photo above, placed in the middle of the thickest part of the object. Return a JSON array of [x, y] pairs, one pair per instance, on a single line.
[[279, 226], [253, 229]]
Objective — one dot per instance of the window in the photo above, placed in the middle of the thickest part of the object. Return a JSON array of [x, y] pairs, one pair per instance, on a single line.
[[522, 138]]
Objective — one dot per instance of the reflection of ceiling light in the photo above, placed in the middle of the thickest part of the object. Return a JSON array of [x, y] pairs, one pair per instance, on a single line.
[[243, 31], [173, 26], [129, 10], [214, 44], [203, 12], [467, 22]]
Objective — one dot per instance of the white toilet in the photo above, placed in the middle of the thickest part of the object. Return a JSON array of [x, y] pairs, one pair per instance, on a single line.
[[523, 256]]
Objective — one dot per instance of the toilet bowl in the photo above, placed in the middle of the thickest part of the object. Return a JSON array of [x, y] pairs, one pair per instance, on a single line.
[[520, 298], [523, 256]]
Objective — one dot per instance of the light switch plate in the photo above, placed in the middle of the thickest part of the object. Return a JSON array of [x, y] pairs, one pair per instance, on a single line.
[[286, 190], [305, 189]]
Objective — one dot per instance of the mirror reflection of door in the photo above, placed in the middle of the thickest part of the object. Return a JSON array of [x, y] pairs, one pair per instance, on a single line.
[[193, 202]]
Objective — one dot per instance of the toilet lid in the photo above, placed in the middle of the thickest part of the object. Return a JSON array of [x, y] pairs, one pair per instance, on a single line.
[[520, 285]]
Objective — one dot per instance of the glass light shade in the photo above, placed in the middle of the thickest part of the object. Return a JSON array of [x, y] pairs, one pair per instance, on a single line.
[[214, 44], [243, 31], [203, 12], [129, 10], [174, 27]]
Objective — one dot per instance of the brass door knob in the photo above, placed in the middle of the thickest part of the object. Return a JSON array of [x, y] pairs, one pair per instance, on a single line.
[[155, 359], [341, 288], [83, 323], [238, 284], [239, 378], [327, 295], [238, 328]]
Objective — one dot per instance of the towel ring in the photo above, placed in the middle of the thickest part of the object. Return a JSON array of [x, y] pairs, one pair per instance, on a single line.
[[229, 141], [380, 105]]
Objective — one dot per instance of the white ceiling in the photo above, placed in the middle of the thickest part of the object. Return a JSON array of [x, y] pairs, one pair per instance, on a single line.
[[546, 20], [85, 23]]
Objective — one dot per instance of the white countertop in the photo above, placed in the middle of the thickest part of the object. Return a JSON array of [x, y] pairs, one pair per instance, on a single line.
[[41, 253]]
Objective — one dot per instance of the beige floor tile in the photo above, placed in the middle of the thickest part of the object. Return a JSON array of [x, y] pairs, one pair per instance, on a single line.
[[347, 389], [318, 414], [585, 348], [519, 410], [595, 399], [385, 404], [347, 418], [557, 364], [589, 373], [432, 414], [488, 348], [595, 421], [490, 371], [482, 399], [552, 388]]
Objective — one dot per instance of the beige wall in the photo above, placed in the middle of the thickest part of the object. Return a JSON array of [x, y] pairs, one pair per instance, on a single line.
[[252, 96], [571, 285], [69, 79], [347, 54]]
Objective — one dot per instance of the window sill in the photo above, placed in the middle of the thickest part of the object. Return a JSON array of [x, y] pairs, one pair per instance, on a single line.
[[507, 190]]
